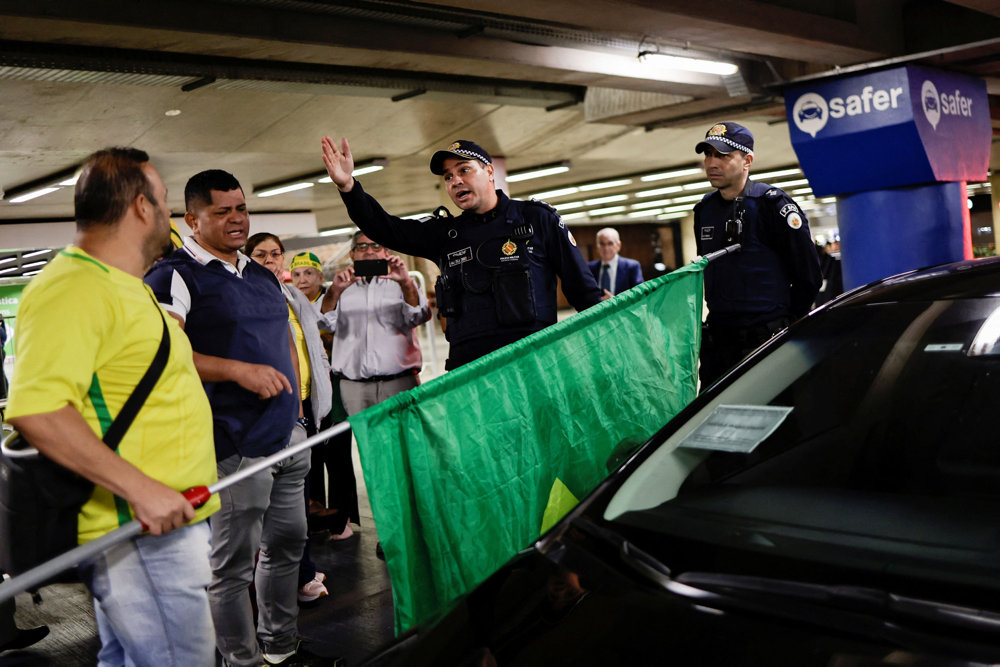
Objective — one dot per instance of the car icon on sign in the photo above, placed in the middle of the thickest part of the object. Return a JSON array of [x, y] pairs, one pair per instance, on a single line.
[[810, 110]]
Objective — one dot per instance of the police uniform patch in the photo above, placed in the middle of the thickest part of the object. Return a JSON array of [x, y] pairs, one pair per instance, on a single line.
[[788, 208], [508, 248], [794, 220], [717, 130], [571, 239], [706, 233], [460, 256], [771, 193]]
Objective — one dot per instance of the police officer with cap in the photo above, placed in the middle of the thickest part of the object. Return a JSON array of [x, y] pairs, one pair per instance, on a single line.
[[499, 258], [755, 293]]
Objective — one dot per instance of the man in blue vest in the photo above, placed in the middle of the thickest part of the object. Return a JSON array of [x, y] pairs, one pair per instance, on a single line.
[[236, 317], [755, 293], [499, 259]]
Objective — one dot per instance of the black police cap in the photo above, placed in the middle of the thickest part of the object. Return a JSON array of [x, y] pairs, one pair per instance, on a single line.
[[461, 149], [727, 137]]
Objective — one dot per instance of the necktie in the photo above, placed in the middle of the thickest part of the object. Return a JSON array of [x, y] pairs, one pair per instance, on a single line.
[[606, 277]]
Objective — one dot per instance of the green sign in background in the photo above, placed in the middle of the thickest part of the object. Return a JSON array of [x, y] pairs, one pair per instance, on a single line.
[[10, 299]]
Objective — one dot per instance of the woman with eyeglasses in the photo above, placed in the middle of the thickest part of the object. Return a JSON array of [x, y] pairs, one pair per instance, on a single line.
[[313, 375]]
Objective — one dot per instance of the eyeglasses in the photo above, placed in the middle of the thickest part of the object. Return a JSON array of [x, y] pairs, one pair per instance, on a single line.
[[260, 254], [365, 246]]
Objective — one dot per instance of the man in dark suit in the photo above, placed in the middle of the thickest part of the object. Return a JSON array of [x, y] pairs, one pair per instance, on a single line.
[[613, 273]]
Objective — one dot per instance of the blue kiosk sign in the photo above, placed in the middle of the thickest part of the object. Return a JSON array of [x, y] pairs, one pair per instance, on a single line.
[[897, 147]]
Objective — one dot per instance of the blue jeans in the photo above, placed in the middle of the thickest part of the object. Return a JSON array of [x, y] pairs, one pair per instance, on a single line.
[[264, 511], [150, 599]]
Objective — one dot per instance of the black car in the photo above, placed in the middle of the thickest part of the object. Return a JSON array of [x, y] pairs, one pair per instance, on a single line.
[[833, 500]]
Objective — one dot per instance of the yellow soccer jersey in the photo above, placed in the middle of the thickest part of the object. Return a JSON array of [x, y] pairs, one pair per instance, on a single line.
[[86, 334], [305, 373]]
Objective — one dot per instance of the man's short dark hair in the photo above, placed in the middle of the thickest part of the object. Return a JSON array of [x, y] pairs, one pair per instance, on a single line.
[[198, 191], [109, 182]]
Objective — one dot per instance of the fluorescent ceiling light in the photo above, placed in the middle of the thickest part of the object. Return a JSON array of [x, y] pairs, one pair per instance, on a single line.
[[367, 167], [573, 216], [688, 64], [607, 211], [687, 198], [777, 173], [801, 191], [697, 185], [670, 189], [644, 214], [28, 196], [10, 270], [791, 184], [34, 264], [569, 205], [43, 186], [538, 172], [8, 260], [676, 173], [679, 209], [562, 192], [337, 231], [284, 189], [671, 216], [606, 184], [652, 204], [31, 273], [308, 180], [605, 200], [34, 253]]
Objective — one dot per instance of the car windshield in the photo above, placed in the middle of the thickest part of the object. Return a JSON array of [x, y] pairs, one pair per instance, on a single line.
[[868, 436]]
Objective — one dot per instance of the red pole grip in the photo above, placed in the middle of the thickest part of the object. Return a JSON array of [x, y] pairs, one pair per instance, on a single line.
[[198, 495]]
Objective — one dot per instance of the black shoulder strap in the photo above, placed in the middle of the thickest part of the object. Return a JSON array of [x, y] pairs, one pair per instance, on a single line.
[[142, 390]]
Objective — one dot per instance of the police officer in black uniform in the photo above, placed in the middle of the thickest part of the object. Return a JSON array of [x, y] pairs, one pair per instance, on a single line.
[[755, 293], [499, 258]]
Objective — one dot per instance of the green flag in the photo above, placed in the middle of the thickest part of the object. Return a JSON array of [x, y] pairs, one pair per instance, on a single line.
[[463, 471]]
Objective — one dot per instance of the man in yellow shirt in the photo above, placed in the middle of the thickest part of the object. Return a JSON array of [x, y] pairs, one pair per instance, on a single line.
[[149, 593]]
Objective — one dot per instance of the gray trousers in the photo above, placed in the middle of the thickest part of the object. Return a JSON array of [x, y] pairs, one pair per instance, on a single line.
[[267, 511], [360, 395]]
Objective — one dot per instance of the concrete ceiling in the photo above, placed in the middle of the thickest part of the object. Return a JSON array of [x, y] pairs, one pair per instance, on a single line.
[[259, 82]]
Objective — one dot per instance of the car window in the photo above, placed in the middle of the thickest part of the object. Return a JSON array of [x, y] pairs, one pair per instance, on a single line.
[[890, 443]]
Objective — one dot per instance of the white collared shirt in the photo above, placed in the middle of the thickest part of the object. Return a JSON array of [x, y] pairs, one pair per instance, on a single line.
[[612, 272], [375, 330], [180, 296]]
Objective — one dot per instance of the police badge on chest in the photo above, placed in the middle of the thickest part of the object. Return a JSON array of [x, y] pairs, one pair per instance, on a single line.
[[509, 252]]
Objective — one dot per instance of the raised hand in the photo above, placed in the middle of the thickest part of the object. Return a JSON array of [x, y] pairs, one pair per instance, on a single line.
[[339, 163]]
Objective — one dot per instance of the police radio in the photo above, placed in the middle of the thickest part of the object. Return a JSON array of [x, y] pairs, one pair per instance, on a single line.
[[734, 225], [446, 295]]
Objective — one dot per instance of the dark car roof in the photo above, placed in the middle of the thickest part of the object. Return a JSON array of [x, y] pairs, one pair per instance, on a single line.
[[958, 280]]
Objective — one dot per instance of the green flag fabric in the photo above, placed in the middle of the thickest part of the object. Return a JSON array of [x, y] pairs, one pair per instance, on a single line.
[[469, 468]]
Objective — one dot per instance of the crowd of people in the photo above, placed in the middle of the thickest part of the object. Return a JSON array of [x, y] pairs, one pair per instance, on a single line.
[[257, 365]]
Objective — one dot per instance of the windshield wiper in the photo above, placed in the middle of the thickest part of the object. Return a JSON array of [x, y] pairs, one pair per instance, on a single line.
[[856, 598], [868, 612]]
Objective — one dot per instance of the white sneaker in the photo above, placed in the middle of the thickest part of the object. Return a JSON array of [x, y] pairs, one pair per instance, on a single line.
[[314, 589]]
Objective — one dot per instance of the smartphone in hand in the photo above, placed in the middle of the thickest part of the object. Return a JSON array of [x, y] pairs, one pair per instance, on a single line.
[[371, 267]]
